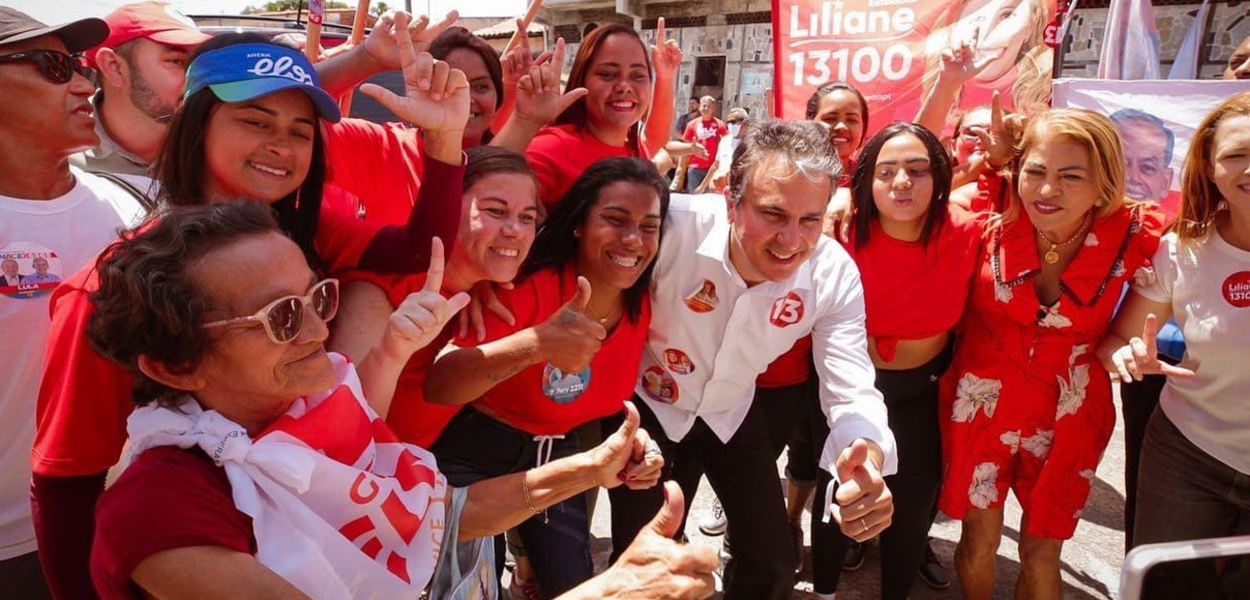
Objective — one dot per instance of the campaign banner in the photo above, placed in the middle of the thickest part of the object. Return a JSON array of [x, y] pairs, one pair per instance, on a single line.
[[1157, 119], [890, 50]]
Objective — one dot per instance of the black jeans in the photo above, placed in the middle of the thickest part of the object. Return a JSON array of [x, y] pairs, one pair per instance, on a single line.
[[21, 578], [474, 447], [1138, 401], [743, 473], [911, 400]]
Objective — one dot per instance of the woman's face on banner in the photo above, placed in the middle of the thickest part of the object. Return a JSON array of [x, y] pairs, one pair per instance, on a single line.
[[1000, 28]]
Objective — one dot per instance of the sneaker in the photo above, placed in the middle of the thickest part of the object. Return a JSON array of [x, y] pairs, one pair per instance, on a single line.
[[932, 573], [854, 558], [523, 590], [714, 523]]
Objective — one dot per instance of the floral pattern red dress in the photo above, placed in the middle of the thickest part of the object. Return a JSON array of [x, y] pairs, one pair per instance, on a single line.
[[1026, 405]]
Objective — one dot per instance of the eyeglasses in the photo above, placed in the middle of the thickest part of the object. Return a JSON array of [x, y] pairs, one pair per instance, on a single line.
[[57, 67], [283, 318]]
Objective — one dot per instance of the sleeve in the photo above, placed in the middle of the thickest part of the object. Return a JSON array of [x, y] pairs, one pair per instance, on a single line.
[[175, 504], [342, 237], [84, 398], [1155, 282], [64, 512], [991, 193], [848, 398], [406, 249], [688, 135], [541, 156], [351, 148]]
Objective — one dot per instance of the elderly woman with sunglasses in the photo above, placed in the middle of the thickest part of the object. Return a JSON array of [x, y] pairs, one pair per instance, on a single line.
[[258, 469]]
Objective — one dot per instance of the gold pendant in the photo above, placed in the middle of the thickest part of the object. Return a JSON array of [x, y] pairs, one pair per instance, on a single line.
[[1051, 257]]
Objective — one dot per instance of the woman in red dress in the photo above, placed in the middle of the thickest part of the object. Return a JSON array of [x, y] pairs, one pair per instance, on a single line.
[[1026, 404]]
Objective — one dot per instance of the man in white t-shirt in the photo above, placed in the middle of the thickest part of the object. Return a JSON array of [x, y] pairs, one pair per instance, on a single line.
[[53, 221], [736, 284]]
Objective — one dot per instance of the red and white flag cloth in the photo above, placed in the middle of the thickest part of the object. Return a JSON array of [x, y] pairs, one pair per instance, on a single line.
[[340, 507], [1130, 48]]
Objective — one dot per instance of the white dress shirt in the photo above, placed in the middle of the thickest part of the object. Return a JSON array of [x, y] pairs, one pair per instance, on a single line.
[[711, 335]]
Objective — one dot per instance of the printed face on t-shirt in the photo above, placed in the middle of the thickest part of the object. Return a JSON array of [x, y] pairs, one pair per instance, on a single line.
[[621, 234], [260, 149], [499, 221], [777, 223]]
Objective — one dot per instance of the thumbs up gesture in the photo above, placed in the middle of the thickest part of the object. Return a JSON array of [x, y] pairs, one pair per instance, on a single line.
[[862, 504], [568, 339], [657, 567], [628, 456]]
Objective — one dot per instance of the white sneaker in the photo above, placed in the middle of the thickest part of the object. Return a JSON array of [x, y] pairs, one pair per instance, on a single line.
[[714, 523]]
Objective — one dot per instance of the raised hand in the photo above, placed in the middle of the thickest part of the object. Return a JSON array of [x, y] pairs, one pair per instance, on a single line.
[[665, 54], [862, 504], [382, 46], [436, 96], [999, 141], [422, 315], [517, 61], [960, 62], [568, 340], [538, 97], [628, 456], [1140, 356], [657, 567]]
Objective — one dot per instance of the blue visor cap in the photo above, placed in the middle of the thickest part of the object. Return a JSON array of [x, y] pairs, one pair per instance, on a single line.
[[247, 71]]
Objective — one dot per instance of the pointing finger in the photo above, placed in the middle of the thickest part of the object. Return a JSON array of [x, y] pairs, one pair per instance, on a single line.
[[434, 277]]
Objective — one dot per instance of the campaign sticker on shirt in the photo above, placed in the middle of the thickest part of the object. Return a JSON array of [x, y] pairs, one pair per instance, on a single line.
[[678, 362], [28, 270], [1237, 289], [704, 299], [564, 387], [787, 310], [660, 385]]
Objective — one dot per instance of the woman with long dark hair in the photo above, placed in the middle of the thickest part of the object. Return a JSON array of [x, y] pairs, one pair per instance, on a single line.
[[624, 97], [909, 242], [571, 357]]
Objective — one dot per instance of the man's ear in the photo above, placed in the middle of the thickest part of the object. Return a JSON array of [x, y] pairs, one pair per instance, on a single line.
[[730, 204], [112, 67], [185, 379]]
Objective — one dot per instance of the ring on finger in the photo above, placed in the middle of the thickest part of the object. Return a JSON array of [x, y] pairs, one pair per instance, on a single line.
[[864, 523], [653, 448]]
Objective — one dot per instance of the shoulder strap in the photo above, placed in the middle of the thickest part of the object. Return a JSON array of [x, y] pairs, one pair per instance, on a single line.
[[148, 203]]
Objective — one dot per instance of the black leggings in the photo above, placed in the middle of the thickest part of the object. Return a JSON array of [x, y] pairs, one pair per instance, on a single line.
[[474, 447], [911, 399]]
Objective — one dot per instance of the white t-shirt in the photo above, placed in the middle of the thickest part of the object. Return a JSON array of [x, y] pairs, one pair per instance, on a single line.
[[66, 233], [1208, 284]]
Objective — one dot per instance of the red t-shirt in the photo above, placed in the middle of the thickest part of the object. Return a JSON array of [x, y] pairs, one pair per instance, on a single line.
[[542, 400], [84, 398], [791, 368], [560, 153], [413, 419], [912, 290], [169, 498], [707, 132], [380, 164]]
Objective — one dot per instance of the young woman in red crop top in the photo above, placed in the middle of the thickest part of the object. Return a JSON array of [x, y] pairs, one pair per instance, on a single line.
[[916, 253], [613, 65], [571, 357]]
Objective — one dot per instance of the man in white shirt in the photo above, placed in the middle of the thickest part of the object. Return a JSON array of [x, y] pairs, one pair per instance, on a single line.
[[735, 286], [53, 221]]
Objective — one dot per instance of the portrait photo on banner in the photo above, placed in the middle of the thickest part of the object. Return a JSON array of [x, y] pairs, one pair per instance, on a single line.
[[891, 51], [1156, 119]]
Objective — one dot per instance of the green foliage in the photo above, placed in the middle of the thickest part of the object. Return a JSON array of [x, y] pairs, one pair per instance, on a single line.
[[284, 5]]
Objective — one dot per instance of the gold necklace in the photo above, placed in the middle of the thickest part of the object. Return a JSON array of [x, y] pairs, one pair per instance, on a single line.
[[595, 314], [1052, 255]]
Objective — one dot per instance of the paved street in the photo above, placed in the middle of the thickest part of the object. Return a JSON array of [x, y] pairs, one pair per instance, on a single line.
[[1091, 560]]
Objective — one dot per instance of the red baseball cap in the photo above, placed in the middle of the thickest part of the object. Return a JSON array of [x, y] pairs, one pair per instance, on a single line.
[[157, 21]]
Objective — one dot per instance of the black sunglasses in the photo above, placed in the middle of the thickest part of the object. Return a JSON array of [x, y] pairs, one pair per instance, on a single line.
[[57, 67]]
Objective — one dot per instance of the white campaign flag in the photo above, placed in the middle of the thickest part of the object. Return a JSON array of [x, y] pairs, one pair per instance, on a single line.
[[1186, 64], [1130, 48]]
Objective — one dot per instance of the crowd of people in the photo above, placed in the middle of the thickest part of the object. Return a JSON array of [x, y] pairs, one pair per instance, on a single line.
[[268, 350]]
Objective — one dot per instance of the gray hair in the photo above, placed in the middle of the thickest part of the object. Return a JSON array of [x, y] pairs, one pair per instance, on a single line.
[[803, 146]]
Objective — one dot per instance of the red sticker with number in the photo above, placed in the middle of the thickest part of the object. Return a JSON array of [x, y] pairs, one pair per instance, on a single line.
[[787, 310], [1237, 289]]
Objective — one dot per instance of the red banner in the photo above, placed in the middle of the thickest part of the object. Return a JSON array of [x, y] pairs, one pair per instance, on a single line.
[[891, 51]]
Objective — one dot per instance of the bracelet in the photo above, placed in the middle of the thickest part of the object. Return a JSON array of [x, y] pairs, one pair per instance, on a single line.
[[525, 489]]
